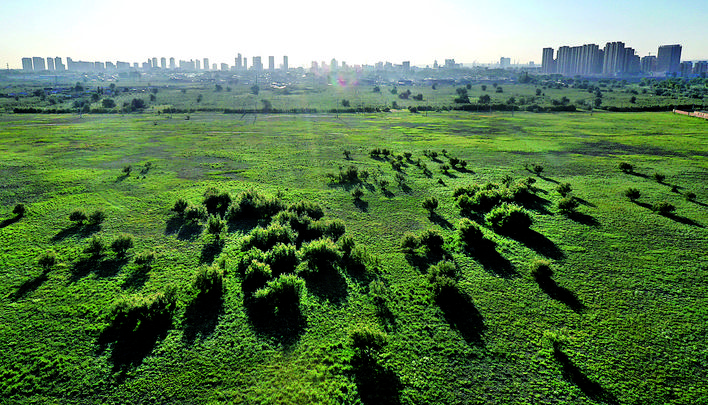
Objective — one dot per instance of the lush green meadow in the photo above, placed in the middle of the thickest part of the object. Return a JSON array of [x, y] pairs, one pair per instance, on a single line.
[[622, 319]]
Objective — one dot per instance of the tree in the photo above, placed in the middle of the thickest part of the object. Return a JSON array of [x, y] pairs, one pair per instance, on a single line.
[[122, 243], [564, 188], [430, 204], [108, 103], [199, 98], [255, 89], [357, 193], [626, 167], [567, 205], [659, 177], [137, 104], [663, 208], [484, 87], [78, 216], [484, 99], [632, 193], [19, 210]]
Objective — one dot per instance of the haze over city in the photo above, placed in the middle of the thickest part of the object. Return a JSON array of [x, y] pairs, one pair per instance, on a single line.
[[361, 32]]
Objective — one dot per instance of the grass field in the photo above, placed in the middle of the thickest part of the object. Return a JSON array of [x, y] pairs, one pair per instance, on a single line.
[[621, 320]]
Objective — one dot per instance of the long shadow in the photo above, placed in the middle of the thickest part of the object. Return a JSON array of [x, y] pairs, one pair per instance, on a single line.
[[450, 174], [492, 261], [556, 292], [642, 175], [535, 203], [189, 231], [29, 286], [9, 221], [548, 179], [81, 231], [693, 201], [328, 284], [585, 202], [461, 314], [173, 224], [422, 261], [109, 267], [244, 225], [361, 205], [684, 220], [210, 251], [388, 193], [573, 374], [540, 244], [584, 219], [132, 343], [406, 189], [375, 383], [202, 316], [282, 326], [103, 267], [387, 318], [439, 220], [137, 278]]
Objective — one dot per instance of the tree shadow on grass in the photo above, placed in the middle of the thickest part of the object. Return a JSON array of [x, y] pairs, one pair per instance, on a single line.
[[173, 224], [439, 220], [189, 230], [536, 203], [202, 316], [79, 230], [387, 193], [375, 383], [548, 179], [422, 261], [584, 219], [136, 279], [10, 221], [328, 284], [585, 202], [684, 220], [556, 292], [29, 286], [492, 261], [284, 327], [461, 314], [210, 251], [406, 189], [244, 225], [574, 375], [361, 205], [102, 266], [539, 243]]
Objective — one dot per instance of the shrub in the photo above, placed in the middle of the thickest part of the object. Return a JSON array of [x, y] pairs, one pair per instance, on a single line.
[[127, 169], [482, 200], [266, 238], [379, 293], [349, 175], [376, 152], [432, 239], [674, 189], [282, 258], [366, 341], [195, 213], [407, 155], [215, 202], [282, 295], [626, 167], [383, 183], [346, 244], [509, 219], [95, 247], [321, 253], [410, 242], [453, 161], [309, 208], [244, 259], [251, 204], [567, 205], [122, 243], [632, 193], [357, 193], [347, 154], [663, 208], [430, 204], [444, 168], [256, 276], [690, 196], [129, 314], [538, 169], [209, 281], [19, 210], [564, 188], [180, 205], [145, 259], [78, 216], [332, 229], [443, 268], [215, 225], [97, 217], [469, 233], [47, 259], [541, 269], [465, 190], [659, 177]]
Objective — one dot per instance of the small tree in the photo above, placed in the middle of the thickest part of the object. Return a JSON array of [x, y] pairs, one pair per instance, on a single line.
[[121, 244], [567, 205], [432, 239], [357, 193], [410, 242], [127, 169], [47, 259], [444, 168], [97, 217], [626, 167], [690, 196], [632, 193], [19, 210], [663, 208], [367, 341], [430, 204], [78, 216], [509, 218], [659, 177], [347, 154], [95, 247], [538, 169], [564, 188], [215, 226], [180, 205]]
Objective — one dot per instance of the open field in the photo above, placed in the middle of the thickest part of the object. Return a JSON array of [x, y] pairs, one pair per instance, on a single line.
[[622, 319]]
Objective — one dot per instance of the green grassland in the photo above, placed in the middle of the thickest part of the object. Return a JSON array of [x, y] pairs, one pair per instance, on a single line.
[[623, 319]]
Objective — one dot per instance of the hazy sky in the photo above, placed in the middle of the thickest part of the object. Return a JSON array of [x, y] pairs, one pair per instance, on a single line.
[[359, 31]]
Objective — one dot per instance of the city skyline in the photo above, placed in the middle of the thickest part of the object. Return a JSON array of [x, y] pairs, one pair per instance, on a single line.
[[362, 33]]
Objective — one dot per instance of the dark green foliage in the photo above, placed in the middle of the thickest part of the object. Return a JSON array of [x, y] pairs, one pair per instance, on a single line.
[[632, 193], [509, 219], [96, 218], [367, 341], [481, 201], [444, 168], [357, 193], [379, 293], [407, 155], [626, 167], [282, 259], [674, 189], [432, 239], [332, 229], [469, 233], [567, 205], [321, 253], [47, 259], [180, 205], [376, 152], [348, 175], [309, 208], [410, 242], [216, 203], [127, 169], [129, 314], [663, 208], [659, 177], [215, 225], [145, 259], [122, 243], [19, 210], [430, 204], [251, 204], [453, 161], [95, 247], [256, 276], [346, 244], [347, 154], [78, 216], [396, 165], [266, 238], [195, 213], [209, 281], [443, 278], [564, 188], [468, 190], [690, 196], [541, 269], [538, 169], [245, 258], [281, 296]]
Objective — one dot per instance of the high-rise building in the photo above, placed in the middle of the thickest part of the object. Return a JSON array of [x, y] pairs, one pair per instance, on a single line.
[[407, 65], [504, 62], [99, 66], [224, 66], [285, 63], [548, 63], [38, 63], [614, 61], [333, 65], [271, 63], [648, 64], [700, 67], [686, 68], [154, 63], [27, 64], [244, 66], [668, 59], [631, 61], [58, 65], [172, 64], [206, 63], [257, 64], [50, 64], [197, 65], [239, 62], [163, 62]]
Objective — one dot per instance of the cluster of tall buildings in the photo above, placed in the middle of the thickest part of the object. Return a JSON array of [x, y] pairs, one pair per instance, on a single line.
[[615, 59]]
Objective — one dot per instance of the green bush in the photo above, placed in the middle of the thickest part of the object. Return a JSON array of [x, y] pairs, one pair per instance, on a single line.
[[216, 202], [282, 258], [332, 229], [663, 208], [379, 293], [432, 239], [564, 188], [346, 244], [95, 247], [481, 201], [78, 216], [626, 167], [469, 233], [145, 259], [321, 253], [366, 341], [430, 204], [690, 196], [659, 177], [541, 269], [244, 259], [215, 225], [538, 169], [195, 213], [266, 238], [357, 193], [509, 219], [632, 193], [97, 217], [567, 205], [128, 314], [180, 205], [209, 281], [410, 242], [256, 276], [469, 190], [122, 243], [281, 295], [251, 204], [47, 259], [19, 210], [443, 268], [309, 208]]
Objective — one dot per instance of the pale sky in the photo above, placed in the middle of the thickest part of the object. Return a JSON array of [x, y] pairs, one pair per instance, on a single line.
[[358, 31]]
